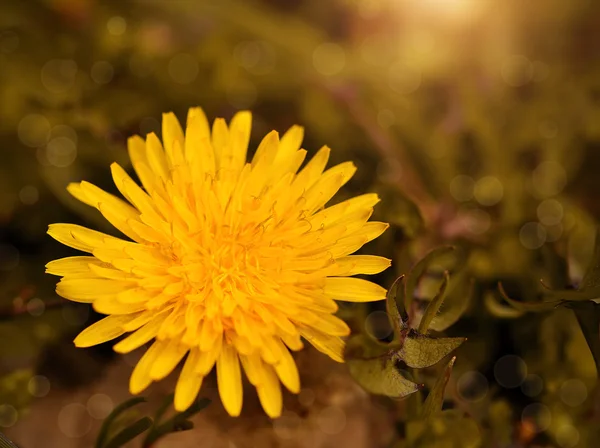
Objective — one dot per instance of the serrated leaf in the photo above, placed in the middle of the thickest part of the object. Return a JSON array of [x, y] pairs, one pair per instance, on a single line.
[[434, 306], [529, 306], [394, 306], [104, 430], [420, 351], [588, 316], [435, 399], [458, 298], [130, 433], [370, 363], [419, 269]]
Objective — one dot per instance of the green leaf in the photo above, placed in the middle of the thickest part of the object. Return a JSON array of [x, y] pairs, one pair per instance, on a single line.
[[434, 305], [500, 309], [419, 269], [179, 422], [370, 363], [393, 304], [420, 351], [104, 430], [529, 306], [435, 399], [588, 316], [445, 429], [458, 298], [130, 433]]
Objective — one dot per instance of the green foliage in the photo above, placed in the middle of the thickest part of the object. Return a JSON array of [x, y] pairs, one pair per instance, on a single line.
[[374, 364], [121, 426]]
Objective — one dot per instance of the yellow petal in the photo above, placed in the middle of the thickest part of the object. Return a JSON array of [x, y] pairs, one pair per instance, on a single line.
[[353, 289], [230, 380], [140, 377], [197, 143], [313, 169], [332, 346], [77, 237], [157, 160], [71, 266], [287, 371], [141, 336], [104, 330], [240, 128], [170, 356], [362, 264], [171, 132], [289, 144], [220, 140], [269, 391], [189, 383], [88, 290], [328, 185]]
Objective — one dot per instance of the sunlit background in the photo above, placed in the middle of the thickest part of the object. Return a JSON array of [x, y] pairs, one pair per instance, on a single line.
[[478, 122]]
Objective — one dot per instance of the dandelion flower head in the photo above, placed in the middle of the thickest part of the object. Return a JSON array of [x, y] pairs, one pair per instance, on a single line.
[[226, 263]]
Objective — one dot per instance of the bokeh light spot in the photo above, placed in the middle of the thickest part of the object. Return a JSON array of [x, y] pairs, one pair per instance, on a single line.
[[532, 386], [9, 257], [386, 118], [477, 221], [149, 125], [329, 59], [286, 426], [38, 386], [573, 392], [403, 78], [462, 188], [8, 415], [332, 420], [550, 212], [61, 152], [99, 406], [58, 75], [75, 315], [538, 415], [306, 397], [488, 191], [34, 130], [242, 94], [116, 25], [472, 386], [567, 436], [29, 195], [532, 235], [74, 420], [517, 70], [36, 307], [549, 179], [377, 325], [510, 371], [183, 68], [102, 72]]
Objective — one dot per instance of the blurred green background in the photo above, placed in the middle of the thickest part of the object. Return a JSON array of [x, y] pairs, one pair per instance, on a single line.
[[478, 121]]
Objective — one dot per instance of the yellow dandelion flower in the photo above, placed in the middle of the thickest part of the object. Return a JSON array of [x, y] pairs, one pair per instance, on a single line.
[[229, 262]]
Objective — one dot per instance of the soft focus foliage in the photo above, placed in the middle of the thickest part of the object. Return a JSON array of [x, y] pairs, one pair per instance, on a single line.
[[476, 121]]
